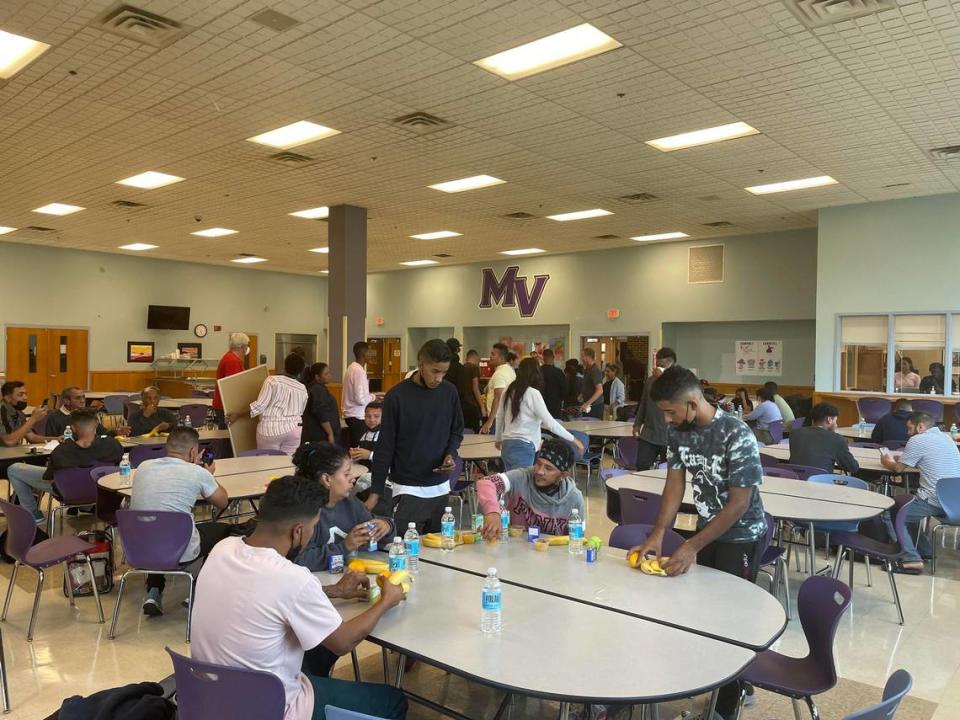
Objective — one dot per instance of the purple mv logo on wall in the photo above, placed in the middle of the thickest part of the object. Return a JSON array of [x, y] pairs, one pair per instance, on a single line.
[[511, 290]]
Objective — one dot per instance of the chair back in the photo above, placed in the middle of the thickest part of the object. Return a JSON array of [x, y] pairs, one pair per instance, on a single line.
[[115, 404], [638, 507], [21, 530], [933, 407], [335, 713], [196, 412], [154, 540], [139, 453], [867, 445], [206, 690], [948, 493], [75, 486], [768, 461], [585, 441], [872, 409], [956, 412], [260, 451], [107, 502], [776, 430], [802, 471], [831, 479], [780, 472], [627, 449], [797, 423], [895, 444], [820, 604], [628, 536], [456, 478], [896, 689]]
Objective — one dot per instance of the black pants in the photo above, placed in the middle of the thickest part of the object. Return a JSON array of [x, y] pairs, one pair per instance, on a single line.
[[220, 418], [357, 428], [425, 513], [742, 560], [471, 417], [210, 534], [648, 454]]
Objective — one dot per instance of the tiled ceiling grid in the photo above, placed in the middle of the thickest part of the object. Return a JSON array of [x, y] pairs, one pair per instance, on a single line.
[[863, 101]]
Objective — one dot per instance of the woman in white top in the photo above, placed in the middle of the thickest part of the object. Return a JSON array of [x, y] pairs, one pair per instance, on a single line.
[[280, 407], [907, 378], [520, 416]]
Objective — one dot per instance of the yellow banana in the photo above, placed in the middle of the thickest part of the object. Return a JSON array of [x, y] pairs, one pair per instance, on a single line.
[[397, 577], [370, 567], [430, 540], [652, 567], [633, 559], [560, 540]]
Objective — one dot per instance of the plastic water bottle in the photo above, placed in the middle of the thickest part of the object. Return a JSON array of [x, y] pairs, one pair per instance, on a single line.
[[575, 530], [187, 422], [126, 480], [411, 540], [862, 427], [491, 619], [67, 433], [371, 528], [953, 431], [397, 559], [448, 526], [933, 390], [504, 521]]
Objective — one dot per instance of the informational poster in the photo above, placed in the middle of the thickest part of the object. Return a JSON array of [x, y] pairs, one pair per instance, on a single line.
[[237, 392], [759, 357]]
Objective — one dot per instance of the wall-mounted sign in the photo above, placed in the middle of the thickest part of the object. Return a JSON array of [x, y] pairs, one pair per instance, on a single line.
[[613, 314], [511, 290], [759, 357], [380, 322]]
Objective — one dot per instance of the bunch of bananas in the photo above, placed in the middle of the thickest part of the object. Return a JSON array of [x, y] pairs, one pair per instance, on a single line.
[[370, 567], [397, 577], [648, 566], [433, 540]]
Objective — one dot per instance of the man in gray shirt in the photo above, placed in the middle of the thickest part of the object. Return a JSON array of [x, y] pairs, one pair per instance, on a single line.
[[819, 445], [649, 427], [173, 483]]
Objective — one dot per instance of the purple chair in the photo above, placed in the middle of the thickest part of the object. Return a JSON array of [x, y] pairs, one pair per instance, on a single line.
[[769, 461], [948, 493], [932, 407], [626, 453], [887, 553], [776, 431], [107, 502], [628, 536], [802, 471], [206, 690], [872, 409], [588, 458], [797, 423], [73, 487], [139, 453], [21, 531], [153, 543], [897, 687], [638, 507], [780, 473], [776, 555], [197, 414], [613, 496], [115, 404], [820, 603], [260, 451]]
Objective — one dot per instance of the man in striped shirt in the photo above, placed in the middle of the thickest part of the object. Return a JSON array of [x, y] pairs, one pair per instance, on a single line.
[[934, 454]]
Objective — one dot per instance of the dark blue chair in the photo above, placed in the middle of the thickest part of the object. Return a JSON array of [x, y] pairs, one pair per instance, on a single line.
[[638, 507], [779, 472], [588, 458], [872, 409], [948, 493], [896, 689], [775, 555], [803, 471]]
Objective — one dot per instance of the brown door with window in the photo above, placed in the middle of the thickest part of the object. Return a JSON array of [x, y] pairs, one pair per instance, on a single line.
[[47, 359], [253, 359]]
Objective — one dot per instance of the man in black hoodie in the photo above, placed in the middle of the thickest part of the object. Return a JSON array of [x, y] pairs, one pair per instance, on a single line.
[[893, 425], [420, 433]]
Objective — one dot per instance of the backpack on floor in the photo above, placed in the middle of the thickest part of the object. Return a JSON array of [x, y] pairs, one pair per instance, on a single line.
[[101, 559]]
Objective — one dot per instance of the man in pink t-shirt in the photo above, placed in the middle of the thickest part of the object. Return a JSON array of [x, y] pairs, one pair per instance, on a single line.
[[356, 393], [276, 610]]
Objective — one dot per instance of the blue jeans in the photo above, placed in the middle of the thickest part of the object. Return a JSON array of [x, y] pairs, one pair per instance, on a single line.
[[25, 479], [516, 453], [373, 699], [916, 511]]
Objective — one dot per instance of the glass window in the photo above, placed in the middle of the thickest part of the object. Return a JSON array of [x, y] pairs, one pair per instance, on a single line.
[[31, 353], [955, 383], [919, 346], [863, 353], [63, 353]]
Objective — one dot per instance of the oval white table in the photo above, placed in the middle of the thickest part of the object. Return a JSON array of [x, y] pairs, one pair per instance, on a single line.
[[27, 451], [601, 428], [868, 458]]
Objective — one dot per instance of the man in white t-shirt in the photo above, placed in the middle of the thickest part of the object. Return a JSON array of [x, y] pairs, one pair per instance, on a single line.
[[276, 610], [356, 393], [503, 375]]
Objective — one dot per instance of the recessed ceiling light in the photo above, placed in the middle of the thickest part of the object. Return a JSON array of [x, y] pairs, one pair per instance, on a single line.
[[323, 250], [4, 229], [298, 133], [438, 235], [703, 137], [248, 260], [579, 215], [317, 213], [214, 232], [58, 209], [523, 251], [138, 246], [552, 51], [16, 52], [813, 182], [661, 236], [417, 263], [150, 180], [468, 183]]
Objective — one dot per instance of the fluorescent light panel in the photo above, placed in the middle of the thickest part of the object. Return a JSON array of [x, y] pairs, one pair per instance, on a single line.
[[579, 215], [468, 183], [803, 184], [317, 213], [660, 236], [523, 251], [290, 136], [324, 272], [438, 235], [214, 232], [4, 229], [16, 52], [150, 180], [552, 51], [703, 137], [249, 260], [58, 209], [418, 263], [323, 250], [138, 246]]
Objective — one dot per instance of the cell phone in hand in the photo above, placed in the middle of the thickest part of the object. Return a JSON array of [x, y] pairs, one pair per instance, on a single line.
[[207, 456], [444, 468]]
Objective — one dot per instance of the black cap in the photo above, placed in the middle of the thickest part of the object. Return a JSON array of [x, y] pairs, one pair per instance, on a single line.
[[454, 344]]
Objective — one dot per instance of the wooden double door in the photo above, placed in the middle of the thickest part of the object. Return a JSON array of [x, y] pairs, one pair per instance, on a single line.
[[47, 359]]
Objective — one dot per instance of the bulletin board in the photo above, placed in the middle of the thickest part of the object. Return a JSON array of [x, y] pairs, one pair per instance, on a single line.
[[237, 392]]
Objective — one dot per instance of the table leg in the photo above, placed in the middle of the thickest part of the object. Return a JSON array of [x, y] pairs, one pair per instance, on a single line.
[[401, 664], [712, 703], [386, 665], [564, 711]]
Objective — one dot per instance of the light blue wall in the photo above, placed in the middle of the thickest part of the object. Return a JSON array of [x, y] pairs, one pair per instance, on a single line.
[[895, 256]]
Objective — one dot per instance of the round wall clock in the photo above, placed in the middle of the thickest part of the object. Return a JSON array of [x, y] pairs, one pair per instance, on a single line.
[[200, 330]]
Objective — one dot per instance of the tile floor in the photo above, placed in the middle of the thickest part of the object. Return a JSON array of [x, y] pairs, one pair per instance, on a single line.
[[71, 653]]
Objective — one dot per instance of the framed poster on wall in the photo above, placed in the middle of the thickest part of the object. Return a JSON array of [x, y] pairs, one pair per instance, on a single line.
[[139, 352]]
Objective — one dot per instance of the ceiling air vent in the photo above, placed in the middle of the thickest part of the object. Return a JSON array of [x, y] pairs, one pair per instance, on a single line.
[[291, 158], [606, 237], [422, 123], [817, 13], [139, 25], [719, 224], [273, 20], [39, 229], [519, 216], [638, 198], [127, 204], [443, 255], [950, 152]]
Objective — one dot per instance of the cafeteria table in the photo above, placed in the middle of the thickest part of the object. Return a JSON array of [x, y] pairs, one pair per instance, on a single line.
[[550, 647], [177, 403], [601, 428], [32, 450], [868, 458]]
